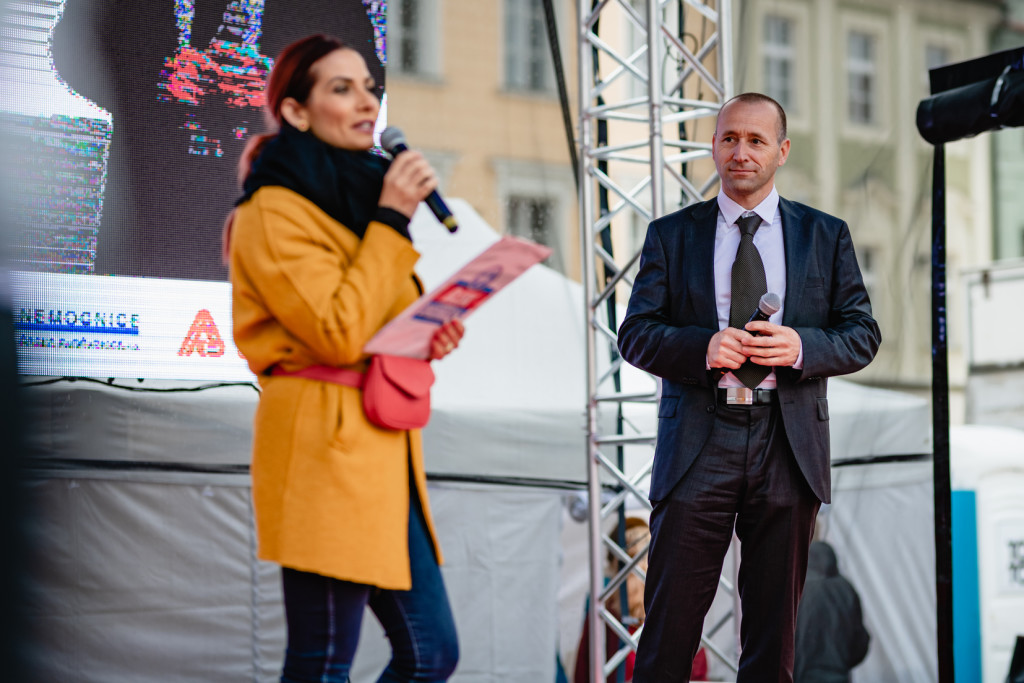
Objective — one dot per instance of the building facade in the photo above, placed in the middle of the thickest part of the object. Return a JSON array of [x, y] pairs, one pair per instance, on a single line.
[[1008, 153], [472, 85], [851, 74]]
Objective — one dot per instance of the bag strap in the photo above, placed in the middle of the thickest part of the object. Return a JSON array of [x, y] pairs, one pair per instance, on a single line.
[[324, 373]]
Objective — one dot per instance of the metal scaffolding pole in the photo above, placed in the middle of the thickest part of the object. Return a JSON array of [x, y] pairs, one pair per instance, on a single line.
[[652, 76]]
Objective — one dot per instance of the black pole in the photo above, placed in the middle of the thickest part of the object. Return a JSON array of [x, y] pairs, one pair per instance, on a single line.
[[15, 517], [563, 92], [940, 426]]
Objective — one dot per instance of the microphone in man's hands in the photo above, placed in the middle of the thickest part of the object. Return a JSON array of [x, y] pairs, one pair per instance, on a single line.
[[393, 140], [768, 306]]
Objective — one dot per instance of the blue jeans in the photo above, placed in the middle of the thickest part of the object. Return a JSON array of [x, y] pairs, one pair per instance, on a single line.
[[324, 616]]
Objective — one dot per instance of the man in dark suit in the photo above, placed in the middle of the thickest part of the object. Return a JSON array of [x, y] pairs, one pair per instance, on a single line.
[[738, 448]]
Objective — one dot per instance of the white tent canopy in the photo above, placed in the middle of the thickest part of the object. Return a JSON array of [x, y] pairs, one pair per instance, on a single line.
[[516, 383]]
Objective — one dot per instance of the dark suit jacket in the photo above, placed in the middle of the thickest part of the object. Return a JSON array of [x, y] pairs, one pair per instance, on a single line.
[[672, 317]]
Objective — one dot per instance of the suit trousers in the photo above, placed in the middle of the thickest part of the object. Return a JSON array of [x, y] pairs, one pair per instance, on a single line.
[[746, 478]]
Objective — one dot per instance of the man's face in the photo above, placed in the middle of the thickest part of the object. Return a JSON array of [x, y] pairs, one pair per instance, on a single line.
[[747, 151]]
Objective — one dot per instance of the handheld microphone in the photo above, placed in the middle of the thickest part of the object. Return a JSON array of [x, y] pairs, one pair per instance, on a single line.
[[393, 141], [768, 306]]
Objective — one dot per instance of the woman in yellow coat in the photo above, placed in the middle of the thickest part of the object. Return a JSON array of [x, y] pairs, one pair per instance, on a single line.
[[320, 260]]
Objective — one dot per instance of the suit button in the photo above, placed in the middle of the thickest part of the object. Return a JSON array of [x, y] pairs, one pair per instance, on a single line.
[[710, 409]]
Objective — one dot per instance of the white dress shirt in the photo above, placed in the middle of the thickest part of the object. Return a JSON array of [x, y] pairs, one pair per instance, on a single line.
[[769, 243]]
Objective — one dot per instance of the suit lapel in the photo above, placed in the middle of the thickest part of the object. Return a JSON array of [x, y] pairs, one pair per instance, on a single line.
[[796, 239], [700, 235]]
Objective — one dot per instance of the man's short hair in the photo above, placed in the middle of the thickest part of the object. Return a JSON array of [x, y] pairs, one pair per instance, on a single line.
[[755, 98]]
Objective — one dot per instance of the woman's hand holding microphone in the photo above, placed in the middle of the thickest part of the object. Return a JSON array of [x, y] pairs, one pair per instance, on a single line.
[[407, 182]]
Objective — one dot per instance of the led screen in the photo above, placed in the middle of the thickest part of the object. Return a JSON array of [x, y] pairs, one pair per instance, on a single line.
[[125, 121]]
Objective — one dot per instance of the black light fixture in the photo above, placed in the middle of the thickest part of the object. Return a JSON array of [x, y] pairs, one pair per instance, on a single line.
[[977, 107]]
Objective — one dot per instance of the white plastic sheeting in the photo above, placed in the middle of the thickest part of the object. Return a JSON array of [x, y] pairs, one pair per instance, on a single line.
[[501, 548], [152, 576], [881, 524]]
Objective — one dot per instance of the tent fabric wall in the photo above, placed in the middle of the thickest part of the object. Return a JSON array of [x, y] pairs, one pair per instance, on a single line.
[[501, 549], [150, 577], [881, 525], [153, 576]]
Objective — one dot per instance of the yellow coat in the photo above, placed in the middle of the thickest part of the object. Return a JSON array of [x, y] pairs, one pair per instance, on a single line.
[[330, 489]]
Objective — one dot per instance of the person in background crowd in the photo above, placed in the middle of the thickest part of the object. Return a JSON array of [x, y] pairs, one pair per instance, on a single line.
[[830, 635], [638, 535]]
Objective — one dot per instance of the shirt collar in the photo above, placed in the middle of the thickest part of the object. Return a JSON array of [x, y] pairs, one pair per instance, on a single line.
[[766, 209]]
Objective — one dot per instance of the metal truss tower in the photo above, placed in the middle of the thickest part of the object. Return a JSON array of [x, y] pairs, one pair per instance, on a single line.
[[652, 76]]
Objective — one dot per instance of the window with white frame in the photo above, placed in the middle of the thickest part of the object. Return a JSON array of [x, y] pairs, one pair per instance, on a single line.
[[528, 65], [941, 46], [638, 224], [935, 55], [637, 39], [532, 217], [868, 261], [779, 60], [862, 77], [412, 37], [536, 203], [637, 231]]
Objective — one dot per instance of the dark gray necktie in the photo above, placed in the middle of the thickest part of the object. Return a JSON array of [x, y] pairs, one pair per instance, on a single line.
[[748, 286]]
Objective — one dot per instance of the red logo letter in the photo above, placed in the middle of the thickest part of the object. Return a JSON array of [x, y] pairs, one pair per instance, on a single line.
[[203, 337]]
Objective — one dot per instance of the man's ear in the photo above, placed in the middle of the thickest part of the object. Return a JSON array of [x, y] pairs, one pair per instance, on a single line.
[[783, 151], [294, 113]]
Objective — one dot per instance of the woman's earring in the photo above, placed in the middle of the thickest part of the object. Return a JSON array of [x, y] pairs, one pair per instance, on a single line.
[[303, 126]]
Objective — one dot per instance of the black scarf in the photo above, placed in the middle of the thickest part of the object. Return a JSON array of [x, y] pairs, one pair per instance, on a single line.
[[346, 185]]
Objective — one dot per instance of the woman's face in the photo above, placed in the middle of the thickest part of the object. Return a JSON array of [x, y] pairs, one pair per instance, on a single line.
[[342, 107]]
